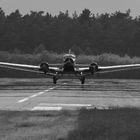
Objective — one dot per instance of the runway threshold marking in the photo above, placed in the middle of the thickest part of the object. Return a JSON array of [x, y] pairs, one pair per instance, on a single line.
[[38, 94], [58, 107], [61, 104]]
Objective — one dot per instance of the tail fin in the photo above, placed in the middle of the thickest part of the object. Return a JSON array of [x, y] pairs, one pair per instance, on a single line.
[[69, 51]]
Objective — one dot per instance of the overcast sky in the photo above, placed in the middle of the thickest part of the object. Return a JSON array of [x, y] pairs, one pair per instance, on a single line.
[[54, 6]]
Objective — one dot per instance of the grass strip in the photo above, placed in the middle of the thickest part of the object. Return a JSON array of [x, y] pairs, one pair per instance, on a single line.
[[36, 125]]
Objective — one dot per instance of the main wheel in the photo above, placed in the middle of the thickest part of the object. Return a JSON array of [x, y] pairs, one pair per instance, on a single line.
[[82, 80], [54, 80]]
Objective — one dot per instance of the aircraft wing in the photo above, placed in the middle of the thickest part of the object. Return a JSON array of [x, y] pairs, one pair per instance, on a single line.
[[81, 65], [92, 69], [48, 70], [86, 70], [107, 69]]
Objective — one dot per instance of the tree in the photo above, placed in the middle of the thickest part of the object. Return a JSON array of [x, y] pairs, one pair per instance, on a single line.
[[41, 48], [85, 33], [85, 16]]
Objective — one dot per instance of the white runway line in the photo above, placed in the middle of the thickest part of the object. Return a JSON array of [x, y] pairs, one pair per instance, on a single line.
[[37, 94], [23, 100]]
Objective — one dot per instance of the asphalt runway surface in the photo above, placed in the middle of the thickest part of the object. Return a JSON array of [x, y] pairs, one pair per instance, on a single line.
[[67, 94]]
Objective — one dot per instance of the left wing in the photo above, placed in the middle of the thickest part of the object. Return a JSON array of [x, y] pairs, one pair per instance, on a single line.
[[44, 68]]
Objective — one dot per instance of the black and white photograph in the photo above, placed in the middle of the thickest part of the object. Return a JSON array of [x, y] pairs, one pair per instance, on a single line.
[[69, 70]]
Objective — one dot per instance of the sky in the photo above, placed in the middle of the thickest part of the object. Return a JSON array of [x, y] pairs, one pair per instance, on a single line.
[[54, 6]]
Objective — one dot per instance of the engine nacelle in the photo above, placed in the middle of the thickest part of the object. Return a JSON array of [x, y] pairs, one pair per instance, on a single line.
[[44, 67], [93, 68]]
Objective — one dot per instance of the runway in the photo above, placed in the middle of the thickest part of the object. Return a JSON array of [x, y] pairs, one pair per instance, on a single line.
[[41, 94]]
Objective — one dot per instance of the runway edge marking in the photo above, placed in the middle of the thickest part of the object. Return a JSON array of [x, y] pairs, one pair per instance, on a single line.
[[38, 94]]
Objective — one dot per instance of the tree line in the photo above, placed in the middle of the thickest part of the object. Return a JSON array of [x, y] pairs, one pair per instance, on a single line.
[[86, 33]]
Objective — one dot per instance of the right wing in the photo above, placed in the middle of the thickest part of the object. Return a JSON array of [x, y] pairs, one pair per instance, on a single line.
[[108, 69], [94, 68], [87, 70]]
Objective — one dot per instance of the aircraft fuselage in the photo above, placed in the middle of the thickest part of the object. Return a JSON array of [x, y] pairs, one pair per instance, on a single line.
[[69, 63], [68, 66]]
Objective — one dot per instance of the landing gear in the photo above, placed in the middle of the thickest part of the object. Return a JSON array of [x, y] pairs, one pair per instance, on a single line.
[[83, 80], [54, 80]]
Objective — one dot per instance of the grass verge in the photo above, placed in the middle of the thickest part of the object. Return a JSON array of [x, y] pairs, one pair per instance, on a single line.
[[114, 124]]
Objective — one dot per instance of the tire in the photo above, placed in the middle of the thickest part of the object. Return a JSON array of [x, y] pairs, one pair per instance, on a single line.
[[83, 80], [54, 80]]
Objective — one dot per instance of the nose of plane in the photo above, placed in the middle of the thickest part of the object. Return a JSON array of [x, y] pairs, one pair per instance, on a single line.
[[68, 66], [69, 60]]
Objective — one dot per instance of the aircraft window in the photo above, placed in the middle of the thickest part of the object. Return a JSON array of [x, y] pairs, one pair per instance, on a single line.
[[69, 56], [67, 59], [71, 60]]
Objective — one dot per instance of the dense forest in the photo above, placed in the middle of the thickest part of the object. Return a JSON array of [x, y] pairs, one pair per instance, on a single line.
[[86, 33]]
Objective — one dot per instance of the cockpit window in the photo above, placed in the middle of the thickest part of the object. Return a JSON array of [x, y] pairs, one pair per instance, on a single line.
[[69, 56]]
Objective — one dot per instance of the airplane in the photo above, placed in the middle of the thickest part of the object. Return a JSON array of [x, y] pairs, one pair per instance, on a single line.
[[69, 66]]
